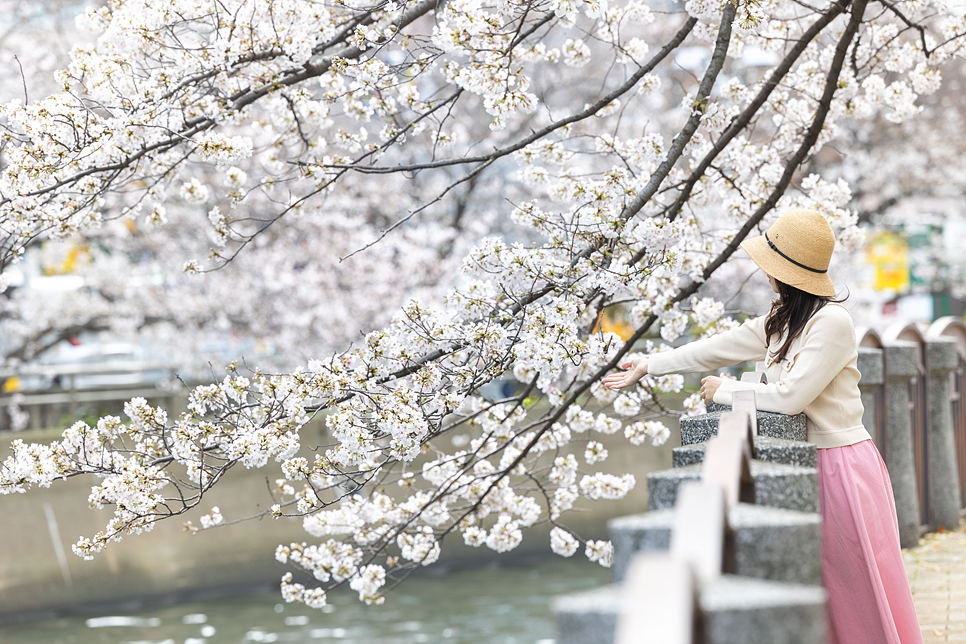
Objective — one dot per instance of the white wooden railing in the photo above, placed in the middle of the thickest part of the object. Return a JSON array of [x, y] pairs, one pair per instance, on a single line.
[[661, 589]]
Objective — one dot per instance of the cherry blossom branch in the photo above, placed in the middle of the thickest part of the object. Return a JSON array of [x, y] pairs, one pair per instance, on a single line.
[[742, 120], [542, 133], [808, 141], [238, 101], [698, 106]]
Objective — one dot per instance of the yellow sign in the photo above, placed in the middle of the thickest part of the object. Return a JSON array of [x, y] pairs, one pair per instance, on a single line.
[[889, 256], [63, 258], [612, 320]]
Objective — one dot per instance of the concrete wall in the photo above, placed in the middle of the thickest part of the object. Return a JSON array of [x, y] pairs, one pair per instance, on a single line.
[[168, 561]]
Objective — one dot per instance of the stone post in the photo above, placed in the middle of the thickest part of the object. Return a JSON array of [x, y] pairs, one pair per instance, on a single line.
[[873, 377], [944, 499], [900, 367]]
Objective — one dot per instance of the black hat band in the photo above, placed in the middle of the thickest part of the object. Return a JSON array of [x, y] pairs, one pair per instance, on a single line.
[[799, 264]]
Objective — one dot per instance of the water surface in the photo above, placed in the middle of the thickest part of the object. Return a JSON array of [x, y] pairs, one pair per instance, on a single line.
[[499, 605]]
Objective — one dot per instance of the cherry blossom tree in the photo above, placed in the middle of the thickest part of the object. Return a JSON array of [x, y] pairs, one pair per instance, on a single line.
[[292, 296], [633, 148], [305, 293]]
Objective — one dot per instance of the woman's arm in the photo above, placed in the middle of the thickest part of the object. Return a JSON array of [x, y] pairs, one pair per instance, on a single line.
[[828, 345], [747, 342]]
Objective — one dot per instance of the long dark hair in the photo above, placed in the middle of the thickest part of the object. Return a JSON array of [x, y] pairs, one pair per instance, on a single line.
[[791, 310]]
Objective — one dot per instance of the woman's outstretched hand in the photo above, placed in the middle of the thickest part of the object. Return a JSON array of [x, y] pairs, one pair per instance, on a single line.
[[635, 371]]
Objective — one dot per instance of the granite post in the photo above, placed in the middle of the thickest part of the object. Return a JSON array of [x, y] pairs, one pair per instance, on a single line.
[[870, 366], [901, 367], [942, 358]]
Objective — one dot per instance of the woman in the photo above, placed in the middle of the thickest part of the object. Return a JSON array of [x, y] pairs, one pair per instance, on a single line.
[[808, 344]]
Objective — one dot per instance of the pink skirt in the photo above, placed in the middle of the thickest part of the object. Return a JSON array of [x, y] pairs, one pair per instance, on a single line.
[[869, 601]]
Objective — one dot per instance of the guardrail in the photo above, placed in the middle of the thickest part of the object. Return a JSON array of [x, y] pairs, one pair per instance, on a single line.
[[73, 397], [661, 590], [76, 369]]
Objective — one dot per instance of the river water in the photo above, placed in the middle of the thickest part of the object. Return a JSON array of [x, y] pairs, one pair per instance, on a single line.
[[498, 605]]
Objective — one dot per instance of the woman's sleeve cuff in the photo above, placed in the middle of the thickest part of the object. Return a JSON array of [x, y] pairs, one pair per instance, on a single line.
[[728, 386]]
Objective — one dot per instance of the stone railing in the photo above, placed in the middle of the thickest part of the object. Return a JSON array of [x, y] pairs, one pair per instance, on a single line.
[[912, 388], [751, 568], [62, 393], [953, 328], [913, 392]]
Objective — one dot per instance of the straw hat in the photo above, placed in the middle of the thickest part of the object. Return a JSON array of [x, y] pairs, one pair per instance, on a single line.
[[796, 250]]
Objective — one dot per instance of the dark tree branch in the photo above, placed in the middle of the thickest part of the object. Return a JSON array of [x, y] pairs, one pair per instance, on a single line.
[[700, 104], [742, 120], [673, 44]]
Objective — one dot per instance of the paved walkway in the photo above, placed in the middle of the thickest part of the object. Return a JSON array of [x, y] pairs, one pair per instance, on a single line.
[[937, 574]]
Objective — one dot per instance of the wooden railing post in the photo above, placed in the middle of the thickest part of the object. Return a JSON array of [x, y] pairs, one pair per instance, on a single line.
[[663, 611], [660, 591], [872, 389], [744, 401]]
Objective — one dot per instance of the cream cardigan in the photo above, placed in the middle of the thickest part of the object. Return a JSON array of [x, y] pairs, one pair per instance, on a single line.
[[818, 377]]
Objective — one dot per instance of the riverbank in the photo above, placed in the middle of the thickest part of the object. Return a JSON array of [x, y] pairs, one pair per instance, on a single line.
[[41, 577]]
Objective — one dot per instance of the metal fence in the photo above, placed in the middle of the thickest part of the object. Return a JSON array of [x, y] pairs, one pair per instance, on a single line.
[[60, 394]]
